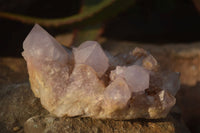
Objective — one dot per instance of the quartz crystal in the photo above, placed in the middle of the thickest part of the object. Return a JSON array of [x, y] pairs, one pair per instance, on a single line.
[[87, 83], [136, 77], [91, 53], [40, 45], [117, 93]]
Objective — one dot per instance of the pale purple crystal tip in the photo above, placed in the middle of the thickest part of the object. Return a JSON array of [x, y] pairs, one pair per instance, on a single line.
[[91, 54]]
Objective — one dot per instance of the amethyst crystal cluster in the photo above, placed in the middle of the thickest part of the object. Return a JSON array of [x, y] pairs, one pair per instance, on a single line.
[[89, 82]]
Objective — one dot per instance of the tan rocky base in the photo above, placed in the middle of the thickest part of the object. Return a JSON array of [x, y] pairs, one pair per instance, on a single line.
[[49, 124]]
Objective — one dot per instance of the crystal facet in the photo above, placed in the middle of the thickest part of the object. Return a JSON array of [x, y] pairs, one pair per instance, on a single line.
[[91, 53], [41, 45], [117, 93], [81, 83], [136, 77]]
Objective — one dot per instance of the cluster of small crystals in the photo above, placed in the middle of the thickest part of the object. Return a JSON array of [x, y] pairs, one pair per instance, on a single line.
[[73, 84]]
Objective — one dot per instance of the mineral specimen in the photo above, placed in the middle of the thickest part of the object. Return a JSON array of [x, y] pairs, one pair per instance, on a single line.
[[85, 82]]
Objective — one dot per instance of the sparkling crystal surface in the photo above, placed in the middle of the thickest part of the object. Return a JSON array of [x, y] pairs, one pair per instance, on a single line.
[[75, 83]]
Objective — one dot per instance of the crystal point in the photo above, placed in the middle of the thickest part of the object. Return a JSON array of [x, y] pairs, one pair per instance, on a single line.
[[91, 53], [41, 45], [136, 77]]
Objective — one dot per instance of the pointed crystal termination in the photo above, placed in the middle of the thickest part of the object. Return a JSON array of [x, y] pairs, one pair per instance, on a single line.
[[136, 77], [91, 53], [39, 44]]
